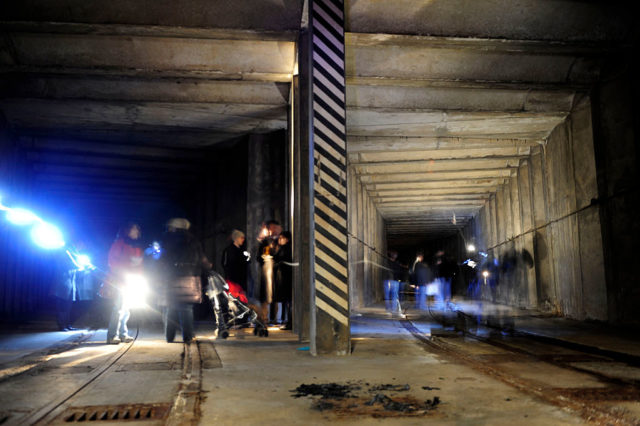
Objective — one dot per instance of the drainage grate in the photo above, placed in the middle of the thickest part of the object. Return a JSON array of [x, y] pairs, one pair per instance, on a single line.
[[130, 412]]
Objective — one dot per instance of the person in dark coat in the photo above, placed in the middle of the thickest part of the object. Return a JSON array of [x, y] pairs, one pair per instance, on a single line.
[[284, 277], [445, 270], [234, 261], [182, 262], [422, 276]]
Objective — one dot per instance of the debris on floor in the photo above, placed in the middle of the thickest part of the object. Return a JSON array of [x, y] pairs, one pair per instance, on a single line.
[[389, 387], [351, 399], [328, 390]]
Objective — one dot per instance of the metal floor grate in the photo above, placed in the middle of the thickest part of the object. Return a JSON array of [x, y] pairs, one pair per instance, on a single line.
[[125, 413]]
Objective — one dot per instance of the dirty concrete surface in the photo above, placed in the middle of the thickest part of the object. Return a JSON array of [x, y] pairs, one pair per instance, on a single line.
[[391, 377]]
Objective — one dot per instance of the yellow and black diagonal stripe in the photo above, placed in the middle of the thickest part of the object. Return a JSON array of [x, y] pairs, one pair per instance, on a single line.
[[330, 172]]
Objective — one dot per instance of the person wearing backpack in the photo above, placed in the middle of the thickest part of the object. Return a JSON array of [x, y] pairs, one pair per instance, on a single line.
[[182, 262]]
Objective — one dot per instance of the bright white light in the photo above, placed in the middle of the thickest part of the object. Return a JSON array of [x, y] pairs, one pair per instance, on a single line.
[[135, 291], [485, 274], [471, 248], [21, 217], [47, 236], [84, 261]]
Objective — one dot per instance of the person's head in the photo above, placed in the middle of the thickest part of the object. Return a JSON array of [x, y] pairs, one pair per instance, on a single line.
[[131, 230], [420, 256], [237, 237], [178, 224], [274, 228], [393, 255], [284, 238]]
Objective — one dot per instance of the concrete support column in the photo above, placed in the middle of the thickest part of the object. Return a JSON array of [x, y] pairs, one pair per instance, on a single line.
[[259, 206], [324, 216]]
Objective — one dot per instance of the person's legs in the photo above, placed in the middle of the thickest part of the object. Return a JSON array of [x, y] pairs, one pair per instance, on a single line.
[[169, 317], [63, 313], [421, 300], [446, 290], [124, 318], [387, 295], [114, 322], [186, 321], [395, 295]]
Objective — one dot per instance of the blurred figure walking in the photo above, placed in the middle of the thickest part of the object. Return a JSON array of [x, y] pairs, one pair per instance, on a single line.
[[125, 257], [422, 277], [182, 262]]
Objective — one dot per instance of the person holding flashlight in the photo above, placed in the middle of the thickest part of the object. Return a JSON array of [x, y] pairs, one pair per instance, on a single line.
[[125, 257]]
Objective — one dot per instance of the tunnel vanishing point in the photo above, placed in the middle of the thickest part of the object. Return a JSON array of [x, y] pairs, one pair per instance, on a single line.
[[359, 125]]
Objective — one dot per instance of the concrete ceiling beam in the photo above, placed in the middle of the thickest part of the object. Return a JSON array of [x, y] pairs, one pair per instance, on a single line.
[[420, 166], [384, 122], [91, 161], [149, 54], [439, 154], [276, 15], [144, 90], [437, 185], [512, 45], [468, 61], [95, 148], [459, 99], [236, 118], [444, 190], [386, 206], [385, 200], [410, 178], [165, 136], [371, 144], [550, 20], [136, 30]]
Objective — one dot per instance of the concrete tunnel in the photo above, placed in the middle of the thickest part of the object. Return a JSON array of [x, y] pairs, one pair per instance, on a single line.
[[361, 126]]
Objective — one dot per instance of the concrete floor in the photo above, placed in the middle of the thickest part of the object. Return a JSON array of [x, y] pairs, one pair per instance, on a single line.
[[248, 380]]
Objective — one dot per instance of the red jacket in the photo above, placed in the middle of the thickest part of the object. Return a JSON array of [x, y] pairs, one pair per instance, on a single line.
[[124, 258]]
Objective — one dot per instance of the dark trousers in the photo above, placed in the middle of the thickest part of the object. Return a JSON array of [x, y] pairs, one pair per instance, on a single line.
[[179, 315], [63, 312]]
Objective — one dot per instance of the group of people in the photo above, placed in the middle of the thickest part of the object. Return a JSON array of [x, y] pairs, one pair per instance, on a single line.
[[274, 256], [427, 278], [177, 269]]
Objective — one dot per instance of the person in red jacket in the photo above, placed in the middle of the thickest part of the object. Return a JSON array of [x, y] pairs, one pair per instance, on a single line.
[[125, 257]]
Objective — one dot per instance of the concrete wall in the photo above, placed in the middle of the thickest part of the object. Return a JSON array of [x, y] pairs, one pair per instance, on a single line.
[[545, 213], [367, 245], [616, 129]]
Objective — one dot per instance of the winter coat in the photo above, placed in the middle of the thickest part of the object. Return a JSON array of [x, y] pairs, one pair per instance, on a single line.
[[182, 262], [234, 264], [125, 257], [422, 274]]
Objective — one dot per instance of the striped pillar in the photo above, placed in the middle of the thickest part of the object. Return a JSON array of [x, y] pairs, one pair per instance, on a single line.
[[330, 291]]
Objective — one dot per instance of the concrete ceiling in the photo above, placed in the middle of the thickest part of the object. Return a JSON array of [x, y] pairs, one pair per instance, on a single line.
[[444, 97]]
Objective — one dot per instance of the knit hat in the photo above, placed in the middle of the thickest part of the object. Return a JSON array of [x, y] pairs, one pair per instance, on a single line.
[[179, 223]]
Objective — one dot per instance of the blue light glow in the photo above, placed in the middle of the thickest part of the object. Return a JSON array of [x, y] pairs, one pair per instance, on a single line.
[[21, 217], [47, 236]]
